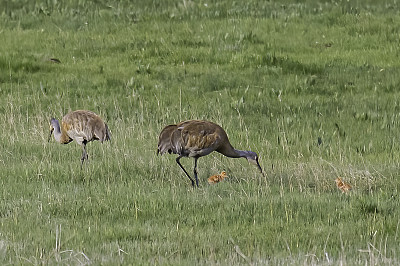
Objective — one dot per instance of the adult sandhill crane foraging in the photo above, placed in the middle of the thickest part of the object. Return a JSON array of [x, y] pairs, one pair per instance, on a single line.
[[197, 138], [82, 126]]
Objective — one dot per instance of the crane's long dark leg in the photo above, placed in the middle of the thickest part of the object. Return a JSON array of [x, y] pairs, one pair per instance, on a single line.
[[84, 153], [191, 179], [195, 171]]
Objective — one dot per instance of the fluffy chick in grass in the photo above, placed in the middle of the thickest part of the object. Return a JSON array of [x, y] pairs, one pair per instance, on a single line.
[[217, 178], [343, 186]]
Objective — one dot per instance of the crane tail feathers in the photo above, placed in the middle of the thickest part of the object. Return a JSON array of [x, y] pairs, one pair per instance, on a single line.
[[164, 140]]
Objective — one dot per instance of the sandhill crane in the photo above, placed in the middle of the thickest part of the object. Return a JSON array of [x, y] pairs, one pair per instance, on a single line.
[[197, 138], [82, 126]]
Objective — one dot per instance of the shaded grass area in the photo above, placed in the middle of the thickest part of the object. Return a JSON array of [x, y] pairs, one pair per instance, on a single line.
[[310, 86]]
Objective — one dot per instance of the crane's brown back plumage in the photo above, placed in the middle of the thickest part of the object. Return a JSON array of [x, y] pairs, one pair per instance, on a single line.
[[86, 126], [193, 138]]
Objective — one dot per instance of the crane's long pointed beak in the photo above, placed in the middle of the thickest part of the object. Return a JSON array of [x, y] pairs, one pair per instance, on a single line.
[[259, 168]]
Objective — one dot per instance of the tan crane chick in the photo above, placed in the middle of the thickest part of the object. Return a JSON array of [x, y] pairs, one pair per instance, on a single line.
[[197, 138], [82, 126], [217, 178], [343, 186]]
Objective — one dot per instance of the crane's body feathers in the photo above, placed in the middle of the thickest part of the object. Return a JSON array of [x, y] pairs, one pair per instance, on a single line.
[[85, 125], [82, 126], [197, 138], [193, 138]]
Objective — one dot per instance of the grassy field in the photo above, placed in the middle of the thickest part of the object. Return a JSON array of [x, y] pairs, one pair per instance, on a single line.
[[311, 86]]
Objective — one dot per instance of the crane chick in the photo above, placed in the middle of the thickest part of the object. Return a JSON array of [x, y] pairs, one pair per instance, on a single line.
[[217, 178], [82, 126], [343, 186]]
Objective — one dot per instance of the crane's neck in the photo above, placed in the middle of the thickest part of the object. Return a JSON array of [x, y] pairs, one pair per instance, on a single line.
[[57, 131], [251, 156], [59, 134], [241, 154], [234, 153]]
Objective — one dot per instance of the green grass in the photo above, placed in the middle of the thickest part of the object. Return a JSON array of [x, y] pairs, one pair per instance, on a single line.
[[311, 86]]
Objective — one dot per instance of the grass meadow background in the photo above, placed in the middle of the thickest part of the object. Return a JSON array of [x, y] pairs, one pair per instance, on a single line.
[[311, 86]]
